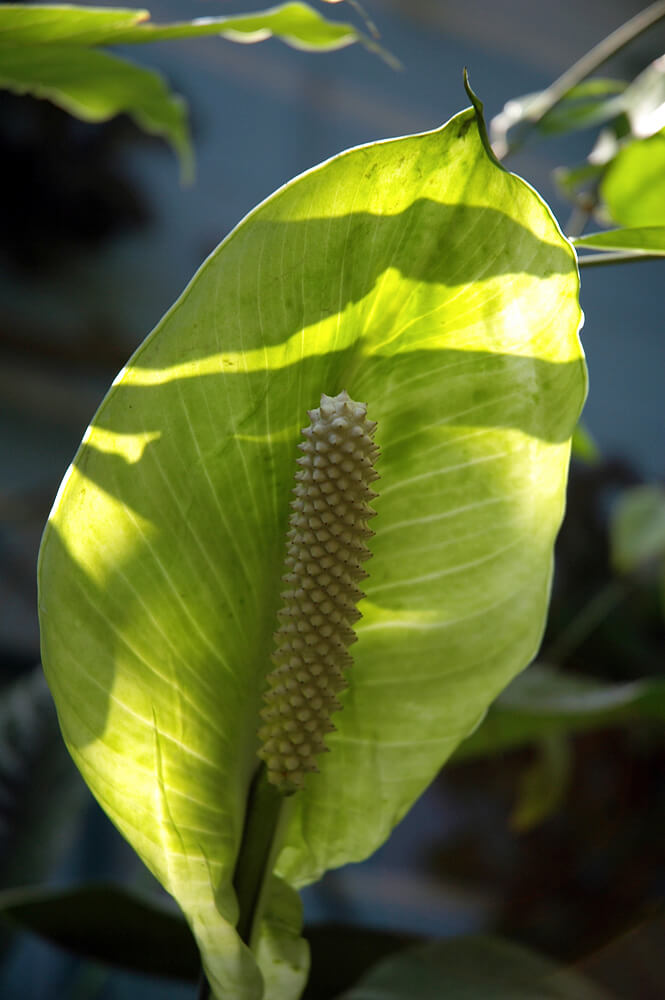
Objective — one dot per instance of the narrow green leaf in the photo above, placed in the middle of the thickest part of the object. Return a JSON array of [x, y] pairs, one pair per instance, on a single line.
[[475, 968], [297, 24], [637, 528], [436, 287], [107, 923], [544, 700], [650, 239], [95, 86]]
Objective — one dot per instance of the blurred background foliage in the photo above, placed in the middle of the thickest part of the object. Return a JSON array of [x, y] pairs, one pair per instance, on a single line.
[[548, 826]]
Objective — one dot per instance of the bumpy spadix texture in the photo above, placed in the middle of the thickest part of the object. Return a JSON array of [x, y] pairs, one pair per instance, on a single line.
[[327, 544]]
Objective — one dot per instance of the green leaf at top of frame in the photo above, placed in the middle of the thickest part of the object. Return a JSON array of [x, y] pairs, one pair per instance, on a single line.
[[21, 24], [296, 23], [647, 239], [433, 285], [50, 52]]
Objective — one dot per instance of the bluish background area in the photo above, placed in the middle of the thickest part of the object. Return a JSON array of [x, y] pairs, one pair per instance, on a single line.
[[262, 114]]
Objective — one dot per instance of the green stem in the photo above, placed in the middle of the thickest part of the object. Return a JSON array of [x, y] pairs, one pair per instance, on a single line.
[[588, 64], [266, 818], [268, 812]]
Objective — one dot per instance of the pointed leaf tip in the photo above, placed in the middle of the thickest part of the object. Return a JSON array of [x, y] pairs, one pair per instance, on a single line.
[[478, 107]]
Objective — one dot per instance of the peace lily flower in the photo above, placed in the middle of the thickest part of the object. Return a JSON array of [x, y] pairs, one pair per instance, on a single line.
[[327, 546], [435, 287]]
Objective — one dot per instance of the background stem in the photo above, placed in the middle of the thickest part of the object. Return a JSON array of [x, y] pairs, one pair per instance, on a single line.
[[267, 814]]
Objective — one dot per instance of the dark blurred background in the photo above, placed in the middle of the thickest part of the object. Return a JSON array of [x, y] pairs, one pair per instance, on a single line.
[[97, 239]]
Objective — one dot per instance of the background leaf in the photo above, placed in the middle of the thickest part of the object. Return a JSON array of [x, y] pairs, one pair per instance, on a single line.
[[544, 701], [543, 784], [136, 932], [139, 933], [479, 968], [428, 281], [41, 794], [637, 528], [644, 100], [106, 923], [633, 186]]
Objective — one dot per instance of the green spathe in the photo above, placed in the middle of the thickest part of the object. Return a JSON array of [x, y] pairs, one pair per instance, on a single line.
[[434, 285]]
